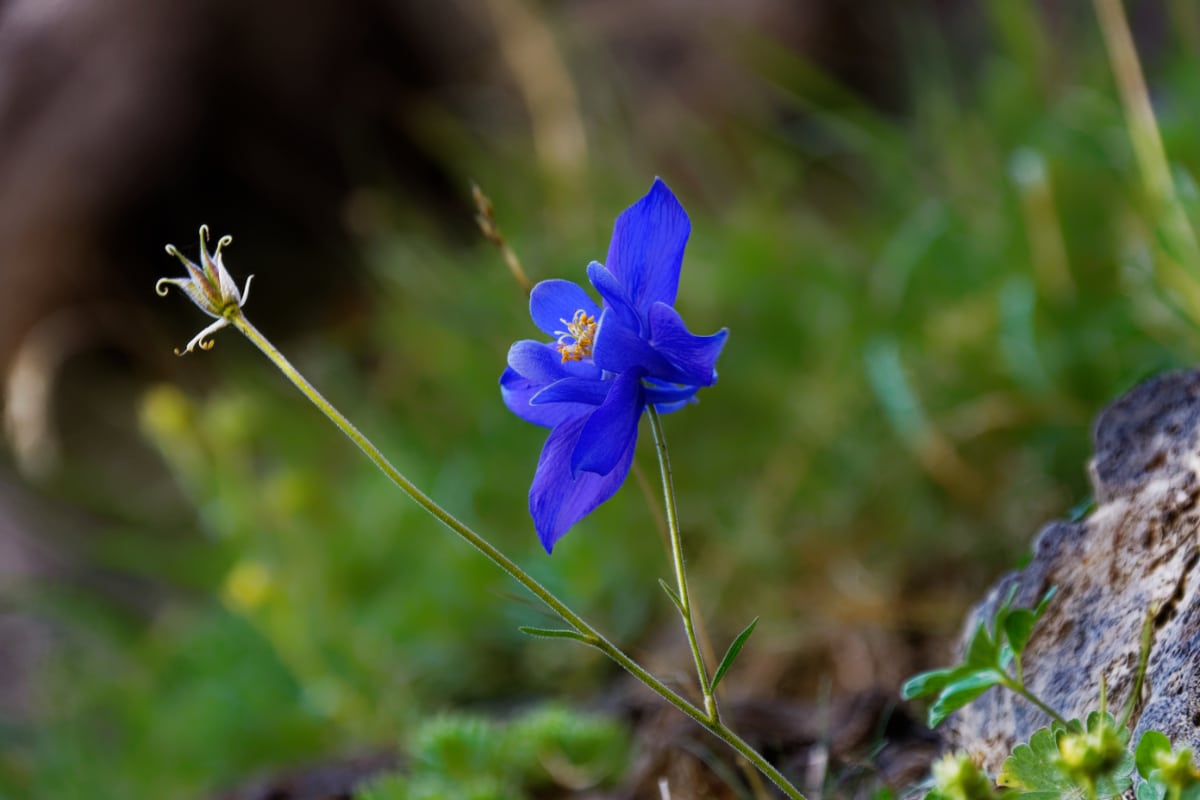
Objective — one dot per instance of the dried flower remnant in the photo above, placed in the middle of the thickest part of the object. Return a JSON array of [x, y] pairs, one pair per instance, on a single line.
[[210, 286]]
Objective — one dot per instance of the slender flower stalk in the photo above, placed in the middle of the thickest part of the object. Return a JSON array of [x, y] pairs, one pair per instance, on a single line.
[[684, 597], [588, 634], [210, 287]]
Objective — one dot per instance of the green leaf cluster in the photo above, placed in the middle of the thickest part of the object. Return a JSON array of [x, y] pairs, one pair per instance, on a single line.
[[542, 753], [1062, 761], [1075, 761], [1167, 774], [993, 649]]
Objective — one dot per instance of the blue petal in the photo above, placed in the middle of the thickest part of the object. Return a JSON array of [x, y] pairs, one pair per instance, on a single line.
[[614, 296], [619, 347], [541, 362], [537, 361], [556, 500], [574, 390], [667, 397], [679, 359], [667, 408], [695, 357], [612, 428], [646, 252], [553, 304], [518, 392]]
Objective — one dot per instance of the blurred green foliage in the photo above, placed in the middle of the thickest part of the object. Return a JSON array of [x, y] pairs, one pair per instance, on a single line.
[[473, 757], [926, 313]]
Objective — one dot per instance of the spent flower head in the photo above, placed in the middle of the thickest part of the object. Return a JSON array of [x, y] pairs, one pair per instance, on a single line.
[[956, 776], [1178, 768], [606, 363], [208, 285], [1166, 772]]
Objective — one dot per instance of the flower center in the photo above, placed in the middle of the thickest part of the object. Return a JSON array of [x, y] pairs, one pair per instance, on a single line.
[[575, 343]]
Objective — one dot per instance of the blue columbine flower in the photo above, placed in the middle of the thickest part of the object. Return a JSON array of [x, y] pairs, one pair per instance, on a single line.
[[607, 363]]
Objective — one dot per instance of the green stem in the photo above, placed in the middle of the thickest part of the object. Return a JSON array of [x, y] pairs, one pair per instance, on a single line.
[[590, 634], [1143, 662], [1020, 689], [685, 603]]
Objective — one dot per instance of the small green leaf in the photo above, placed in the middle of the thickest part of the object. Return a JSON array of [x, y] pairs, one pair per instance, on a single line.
[[1150, 746], [956, 695], [1002, 612], [1018, 624], [1008, 601], [931, 682], [1006, 656], [1044, 602], [1152, 789], [666, 587], [1034, 767], [731, 654], [982, 651], [1081, 509], [554, 633], [1098, 720], [1018, 627]]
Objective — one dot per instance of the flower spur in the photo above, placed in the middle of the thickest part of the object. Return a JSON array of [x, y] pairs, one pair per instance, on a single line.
[[210, 286]]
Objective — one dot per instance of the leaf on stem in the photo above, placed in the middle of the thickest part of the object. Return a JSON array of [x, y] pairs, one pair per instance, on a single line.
[[1034, 767], [671, 594], [986, 662], [731, 654], [1019, 623], [983, 650], [1152, 746], [957, 694], [1071, 761], [931, 682], [555, 633]]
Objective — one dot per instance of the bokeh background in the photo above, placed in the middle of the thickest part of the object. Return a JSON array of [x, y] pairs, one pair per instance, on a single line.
[[923, 223]]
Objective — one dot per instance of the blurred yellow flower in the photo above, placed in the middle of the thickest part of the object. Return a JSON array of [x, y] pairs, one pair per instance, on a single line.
[[247, 585]]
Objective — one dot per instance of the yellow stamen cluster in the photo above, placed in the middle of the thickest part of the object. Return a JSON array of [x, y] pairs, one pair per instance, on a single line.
[[575, 344]]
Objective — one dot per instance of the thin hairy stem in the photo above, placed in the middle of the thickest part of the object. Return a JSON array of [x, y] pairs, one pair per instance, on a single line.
[[485, 218], [590, 635], [681, 585]]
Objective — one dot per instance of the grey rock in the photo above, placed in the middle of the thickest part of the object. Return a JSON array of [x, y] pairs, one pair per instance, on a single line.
[[1136, 555]]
